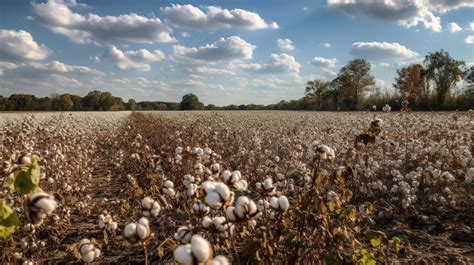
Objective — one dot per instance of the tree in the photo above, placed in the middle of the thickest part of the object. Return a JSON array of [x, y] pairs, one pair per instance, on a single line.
[[132, 104], [443, 72], [316, 88], [410, 83], [191, 102], [64, 102], [334, 92], [355, 79]]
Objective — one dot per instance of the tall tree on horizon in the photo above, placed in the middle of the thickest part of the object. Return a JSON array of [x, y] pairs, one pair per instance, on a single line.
[[316, 89], [443, 72], [355, 79]]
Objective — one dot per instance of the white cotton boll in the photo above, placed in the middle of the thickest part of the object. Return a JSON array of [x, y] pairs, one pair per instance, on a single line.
[[206, 222], [200, 208], [182, 255], [191, 189], [147, 203], [183, 235], [243, 185], [268, 184], [220, 260], [112, 226], [223, 190], [208, 185], [88, 257], [230, 213], [17, 255], [86, 248], [258, 185], [284, 203], [143, 231], [274, 203], [46, 203], [168, 184], [156, 208], [101, 224], [130, 230], [169, 191], [200, 248], [331, 154], [213, 199], [226, 175]]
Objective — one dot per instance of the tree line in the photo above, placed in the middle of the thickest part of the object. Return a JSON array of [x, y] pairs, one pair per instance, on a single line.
[[427, 86]]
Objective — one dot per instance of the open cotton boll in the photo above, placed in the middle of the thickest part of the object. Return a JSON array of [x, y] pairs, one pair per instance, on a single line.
[[230, 213], [242, 185], [169, 191], [206, 222], [155, 209], [183, 235], [200, 248], [200, 208], [332, 196], [44, 202], [182, 255], [220, 260], [168, 184], [130, 230], [143, 229], [191, 189], [226, 175], [213, 199], [223, 190], [147, 203]]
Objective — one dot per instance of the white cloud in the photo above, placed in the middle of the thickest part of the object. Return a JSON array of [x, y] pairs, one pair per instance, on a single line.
[[203, 70], [381, 50], [454, 27], [407, 13], [60, 19], [132, 60], [285, 44], [469, 39], [279, 63], [324, 62], [20, 46], [43, 79], [471, 26], [185, 34], [327, 45], [214, 17], [232, 48]]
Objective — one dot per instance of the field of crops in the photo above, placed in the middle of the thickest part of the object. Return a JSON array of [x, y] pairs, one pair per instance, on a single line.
[[237, 187]]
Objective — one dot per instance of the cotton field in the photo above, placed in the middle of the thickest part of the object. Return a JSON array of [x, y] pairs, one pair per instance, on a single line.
[[236, 187]]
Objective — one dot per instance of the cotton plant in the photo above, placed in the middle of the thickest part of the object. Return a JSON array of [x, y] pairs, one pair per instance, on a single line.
[[151, 208], [106, 222], [89, 250], [199, 251]]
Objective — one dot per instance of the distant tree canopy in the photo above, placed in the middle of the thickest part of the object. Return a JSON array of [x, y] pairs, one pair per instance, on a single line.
[[433, 85], [191, 102]]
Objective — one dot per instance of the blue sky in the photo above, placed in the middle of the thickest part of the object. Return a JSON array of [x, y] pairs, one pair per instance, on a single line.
[[226, 52]]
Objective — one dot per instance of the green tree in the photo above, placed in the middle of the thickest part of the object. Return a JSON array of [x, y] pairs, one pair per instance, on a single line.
[[355, 79], [317, 88], [64, 102], [132, 104], [410, 83], [443, 72], [191, 102]]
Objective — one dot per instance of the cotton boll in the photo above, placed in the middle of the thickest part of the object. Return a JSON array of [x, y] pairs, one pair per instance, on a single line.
[[182, 255], [168, 184], [213, 199], [223, 190], [147, 203], [220, 260], [230, 213], [130, 230], [200, 248], [284, 203], [332, 196], [183, 235], [169, 191], [200, 208], [274, 203], [206, 222], [88, 257]]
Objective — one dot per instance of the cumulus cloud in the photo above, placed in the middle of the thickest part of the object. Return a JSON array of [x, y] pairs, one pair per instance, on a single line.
[[471, 26], [279, 63], [44, 78], [132, 60], [60, 19], [407, 13], [214, 17], [381, 50], [285, 44], [20, 46], [324, 62], [469, 39], [327, 45], [203, 70], [232, 48], [454, 27]]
